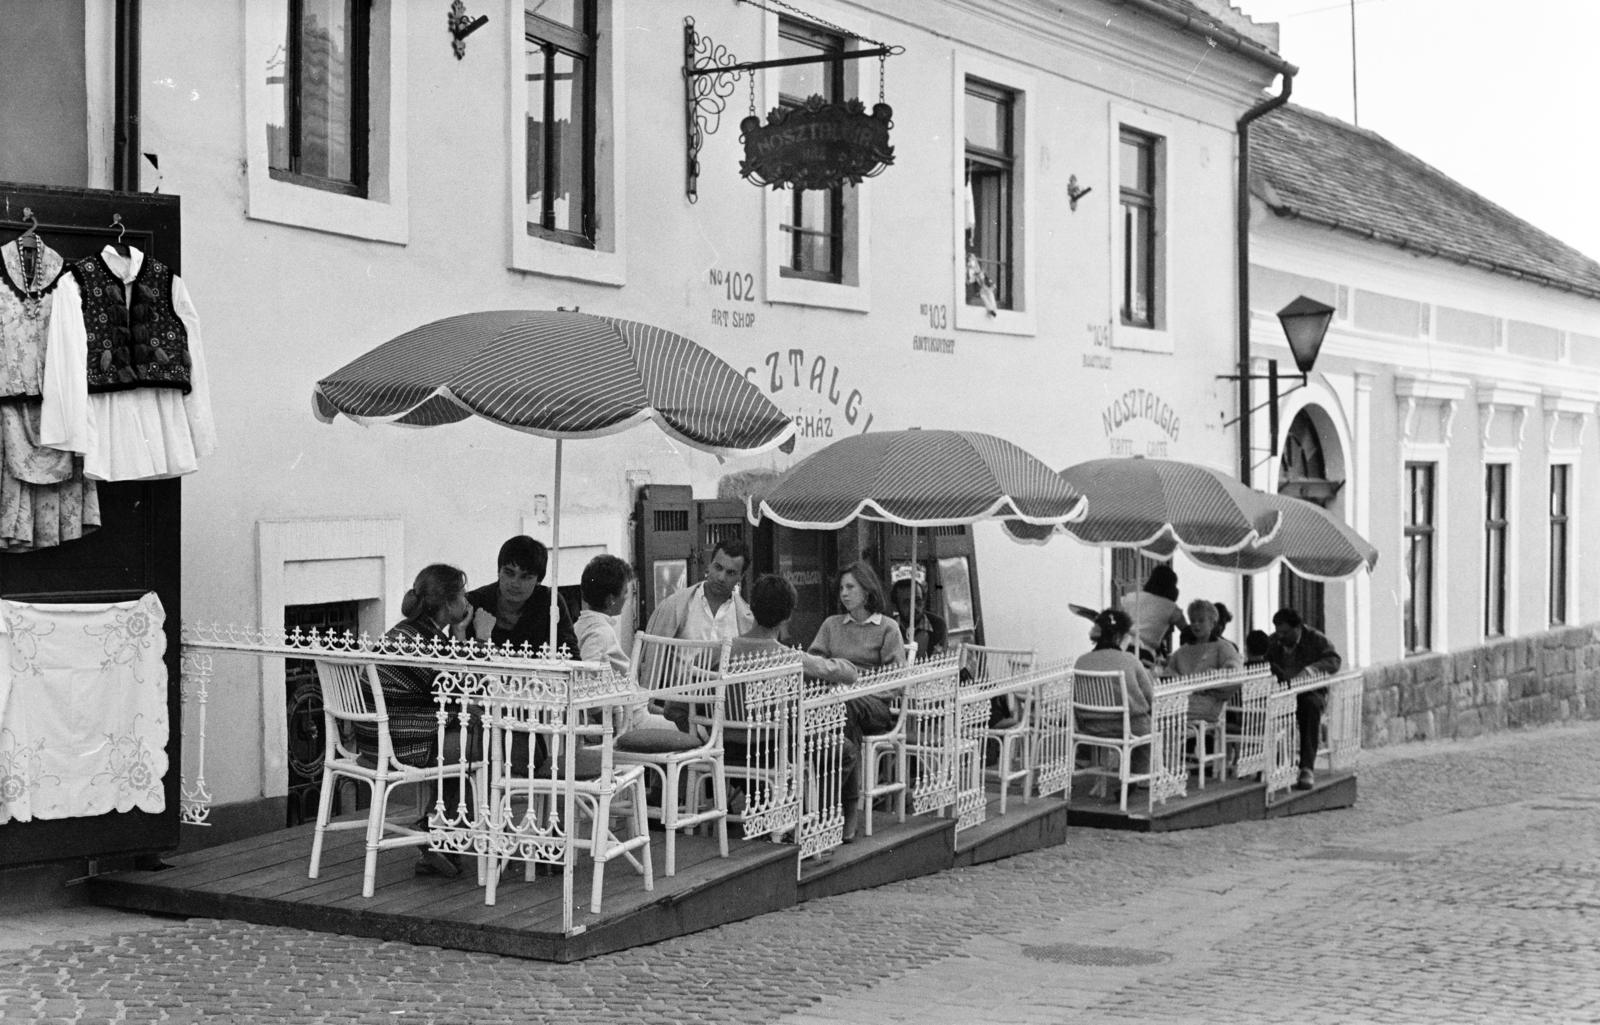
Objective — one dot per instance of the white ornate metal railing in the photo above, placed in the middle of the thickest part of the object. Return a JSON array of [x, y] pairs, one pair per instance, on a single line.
[[1341, 719], [993, 679], [1246, 735], [1173, 727], [762, 741], [923, 698], [194, 681], [1052, 727]]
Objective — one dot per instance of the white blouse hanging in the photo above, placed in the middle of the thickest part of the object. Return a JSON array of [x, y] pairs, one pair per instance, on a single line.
[[83, 709], [137, 434]]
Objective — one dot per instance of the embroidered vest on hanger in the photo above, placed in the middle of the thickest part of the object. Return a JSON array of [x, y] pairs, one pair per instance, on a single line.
[[137, 345]]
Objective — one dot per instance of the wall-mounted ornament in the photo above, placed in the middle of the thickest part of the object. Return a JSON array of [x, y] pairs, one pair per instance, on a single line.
[[461, 26], [1076, 192]]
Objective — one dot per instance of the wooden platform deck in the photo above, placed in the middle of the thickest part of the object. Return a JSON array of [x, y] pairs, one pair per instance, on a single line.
[[263, 879], [1220, 802]]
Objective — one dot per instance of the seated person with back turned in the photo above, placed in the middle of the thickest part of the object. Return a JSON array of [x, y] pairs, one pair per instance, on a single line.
[[515, 609], [1155, 613], [1112, 630], [772, 601], [1296, 649], [931, 633], [1206, 656]]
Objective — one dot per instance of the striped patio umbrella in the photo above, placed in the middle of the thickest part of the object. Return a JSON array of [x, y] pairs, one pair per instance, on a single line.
[[1310, 541], [917, 478], [1140, 503], [558, 374]]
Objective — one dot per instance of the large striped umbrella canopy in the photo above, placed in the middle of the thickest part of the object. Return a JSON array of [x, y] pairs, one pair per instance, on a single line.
[[1310, 541], [559, 374], [918, 478], [1138, 502]]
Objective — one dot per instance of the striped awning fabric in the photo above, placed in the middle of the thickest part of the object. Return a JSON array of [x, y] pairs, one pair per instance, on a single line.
[[1138, 502], [558, 374], [919, 479], [1310, 541]]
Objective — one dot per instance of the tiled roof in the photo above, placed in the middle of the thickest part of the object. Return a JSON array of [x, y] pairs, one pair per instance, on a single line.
[[1307, 165]]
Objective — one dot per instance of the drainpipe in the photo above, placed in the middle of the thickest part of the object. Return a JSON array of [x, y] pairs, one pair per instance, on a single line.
[[1242, 250], [125, 127]]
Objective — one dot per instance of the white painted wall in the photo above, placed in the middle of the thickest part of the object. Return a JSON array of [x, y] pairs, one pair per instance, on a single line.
[[286, 303]]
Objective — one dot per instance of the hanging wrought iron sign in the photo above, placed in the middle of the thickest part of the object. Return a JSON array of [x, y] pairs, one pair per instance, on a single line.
[[813, 146], [817, 145]]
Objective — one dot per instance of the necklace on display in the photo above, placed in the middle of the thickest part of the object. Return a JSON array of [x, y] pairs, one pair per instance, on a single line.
[[31, 282]]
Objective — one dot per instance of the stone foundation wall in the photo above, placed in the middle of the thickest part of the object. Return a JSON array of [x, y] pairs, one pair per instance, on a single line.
[[1522, 681]]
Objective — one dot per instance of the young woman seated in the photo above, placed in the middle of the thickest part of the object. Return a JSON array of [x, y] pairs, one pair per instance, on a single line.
[[1206, 656], [1113, 631]]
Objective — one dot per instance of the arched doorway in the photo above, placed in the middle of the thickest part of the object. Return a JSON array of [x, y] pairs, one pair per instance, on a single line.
[[1303, 474]]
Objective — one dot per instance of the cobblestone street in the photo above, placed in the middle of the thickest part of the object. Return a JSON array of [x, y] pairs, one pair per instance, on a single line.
[[1463, 887]]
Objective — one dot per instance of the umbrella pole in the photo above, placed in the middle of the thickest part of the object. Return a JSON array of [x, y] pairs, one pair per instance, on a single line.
[[911, 613], [555, 557]]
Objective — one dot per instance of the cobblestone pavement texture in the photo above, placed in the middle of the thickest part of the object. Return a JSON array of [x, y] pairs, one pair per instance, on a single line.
[[1463, 887]]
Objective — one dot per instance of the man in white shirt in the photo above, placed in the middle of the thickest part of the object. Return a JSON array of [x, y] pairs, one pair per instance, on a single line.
[[709, 610], [712, 609]]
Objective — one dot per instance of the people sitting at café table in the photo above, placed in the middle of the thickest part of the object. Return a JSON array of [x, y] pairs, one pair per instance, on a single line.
[[1294, 651], [931, 633], [515, 609], [865, 637], [1112, 633], [1206, 656], [1155, 613], [431, 611], [772, 602]]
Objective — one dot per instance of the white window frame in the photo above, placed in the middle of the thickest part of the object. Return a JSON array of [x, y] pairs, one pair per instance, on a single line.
[[606, 263], [1508, 459], [1570, 461], [1438, 455], [1131, 336], [382, 215], [1025, 87], [854, 291]]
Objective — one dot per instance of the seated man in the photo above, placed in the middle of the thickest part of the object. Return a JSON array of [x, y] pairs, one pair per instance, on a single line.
[[1295, 650]]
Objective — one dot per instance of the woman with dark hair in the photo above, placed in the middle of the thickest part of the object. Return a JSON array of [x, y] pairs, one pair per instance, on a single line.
[[515, 609], [1113, 627], [435, 605], [1155, 612], [864, 636]]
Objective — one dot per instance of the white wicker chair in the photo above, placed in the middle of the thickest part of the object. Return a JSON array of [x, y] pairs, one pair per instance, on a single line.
[[351, 693], [691, 669], [602, 790], [1014, 741], [1105, 694]]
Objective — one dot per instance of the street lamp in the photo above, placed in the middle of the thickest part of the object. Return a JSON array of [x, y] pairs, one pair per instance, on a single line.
[[1305, 323]]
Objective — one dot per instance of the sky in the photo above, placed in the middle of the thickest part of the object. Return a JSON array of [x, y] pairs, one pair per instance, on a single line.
[[1501, 95]]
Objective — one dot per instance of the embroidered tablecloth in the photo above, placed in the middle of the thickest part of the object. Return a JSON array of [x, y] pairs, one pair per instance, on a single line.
[[83, 709]]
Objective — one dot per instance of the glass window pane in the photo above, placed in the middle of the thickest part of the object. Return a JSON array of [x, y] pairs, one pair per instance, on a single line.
[[536, 141], [802, 81], [277, 94], [986, 123], [327, 89], [566, 139], [562, 12], [1135, 163]]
